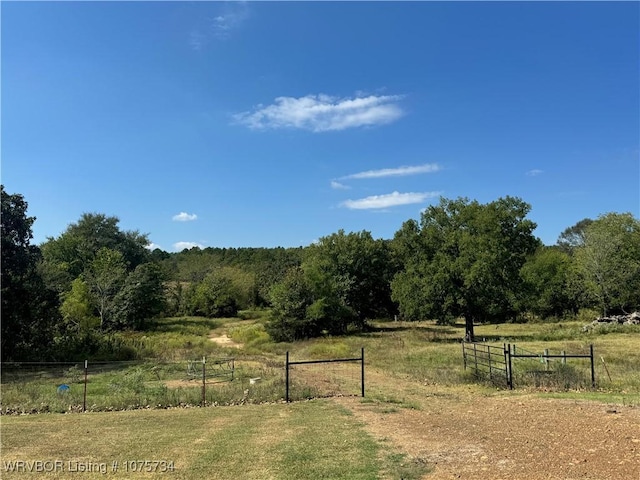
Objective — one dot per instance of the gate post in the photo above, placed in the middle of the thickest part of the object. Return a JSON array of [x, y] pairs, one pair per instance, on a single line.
[[593, 370], [362, 372], [286, 378], [510, 375]]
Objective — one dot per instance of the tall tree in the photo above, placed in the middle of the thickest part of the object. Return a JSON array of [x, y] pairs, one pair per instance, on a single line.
[[352, 269], [609, 261], [573, 237], [73, 252], [141, 297], [29, 309], [105, 277], [464, 260], [546, 276]]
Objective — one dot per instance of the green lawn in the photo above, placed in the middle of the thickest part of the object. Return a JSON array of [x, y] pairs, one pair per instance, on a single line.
[[313, 440]]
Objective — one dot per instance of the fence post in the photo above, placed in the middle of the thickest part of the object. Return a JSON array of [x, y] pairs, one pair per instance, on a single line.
[[510, 369], [489, 361], [564, 357], [204, 381], [84, 401], [546, 359], [286, 378], [593, 369], [362, 372]]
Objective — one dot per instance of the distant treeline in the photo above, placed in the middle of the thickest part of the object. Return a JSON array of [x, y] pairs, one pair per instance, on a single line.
[[461, 259]]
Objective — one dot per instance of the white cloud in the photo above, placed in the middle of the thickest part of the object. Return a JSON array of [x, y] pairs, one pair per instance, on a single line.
[[534, 173], [184, 217], [396, 172], [220, 26], [388, 200], [235, 14], [339, 186], [152, 246], [179, 246], [323, 113]]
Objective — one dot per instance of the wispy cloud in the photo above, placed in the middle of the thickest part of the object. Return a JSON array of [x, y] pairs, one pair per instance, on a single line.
[[534, 173], [339, 186], [388, 200], [220, 26], [184, 217], [235, 14], [395, 172], [179, 246], [323, 113]]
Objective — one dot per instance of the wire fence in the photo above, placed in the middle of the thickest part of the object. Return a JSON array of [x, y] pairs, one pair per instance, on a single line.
[[32, 387]]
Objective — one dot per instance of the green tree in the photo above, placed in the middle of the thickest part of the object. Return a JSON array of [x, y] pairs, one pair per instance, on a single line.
[[77, 309], [141, 297], [105, 276], [290, 300], [29, 309], [573, 237], [546, 276], [353, 270], [609, 261], [464, 260], [214, 297], [74, 251]]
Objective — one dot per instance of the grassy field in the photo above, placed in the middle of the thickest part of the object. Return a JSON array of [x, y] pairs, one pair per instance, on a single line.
[[409, 366]]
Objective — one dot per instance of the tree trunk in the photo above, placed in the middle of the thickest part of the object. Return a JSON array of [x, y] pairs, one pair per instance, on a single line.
[[468, 329]]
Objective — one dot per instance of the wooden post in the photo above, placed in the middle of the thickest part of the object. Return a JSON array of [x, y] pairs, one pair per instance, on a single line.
[[546, 359]]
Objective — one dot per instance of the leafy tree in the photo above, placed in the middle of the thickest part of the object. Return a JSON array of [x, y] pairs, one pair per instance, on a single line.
[[73, 252], [29, 309], [609, 261], [573, 237], [546, 277], [141, 297], [77, 308], [290, 300], [353, 270], [464, 259], [105, 277], [214, 297]]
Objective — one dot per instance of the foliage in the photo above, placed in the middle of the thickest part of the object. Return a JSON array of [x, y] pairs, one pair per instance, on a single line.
[[105, 276], [214, 297], [574, 236], [609, 261], [75, 250], [546, 276], [142, 297], [352, 270], [77, 308], [29, 309], [290, 300], [464, 259]]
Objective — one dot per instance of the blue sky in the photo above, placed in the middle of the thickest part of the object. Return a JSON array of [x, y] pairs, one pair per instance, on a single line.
[[228, 124]]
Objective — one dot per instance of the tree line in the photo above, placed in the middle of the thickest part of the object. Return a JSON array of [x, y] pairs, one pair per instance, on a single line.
[[461, 259]]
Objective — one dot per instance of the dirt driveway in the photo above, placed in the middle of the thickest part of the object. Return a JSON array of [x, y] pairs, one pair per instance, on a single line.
[[512, 436]]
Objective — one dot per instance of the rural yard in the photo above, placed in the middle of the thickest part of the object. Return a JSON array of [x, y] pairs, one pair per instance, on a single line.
[[461, 434]]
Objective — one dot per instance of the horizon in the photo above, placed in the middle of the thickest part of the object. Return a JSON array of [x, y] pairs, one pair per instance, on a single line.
[[264, 125]]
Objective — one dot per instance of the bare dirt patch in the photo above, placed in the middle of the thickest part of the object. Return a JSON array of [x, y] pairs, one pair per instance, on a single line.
[[224, 341], [466, 435]]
